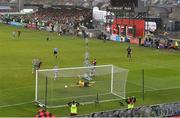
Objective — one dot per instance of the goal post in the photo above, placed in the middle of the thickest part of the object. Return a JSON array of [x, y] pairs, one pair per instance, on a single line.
[[63, 86]]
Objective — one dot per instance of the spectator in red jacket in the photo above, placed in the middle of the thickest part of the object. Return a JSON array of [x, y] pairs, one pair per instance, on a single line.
[[44, 114]]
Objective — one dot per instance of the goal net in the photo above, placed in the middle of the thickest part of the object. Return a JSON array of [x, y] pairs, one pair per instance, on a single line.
[[86, 85]]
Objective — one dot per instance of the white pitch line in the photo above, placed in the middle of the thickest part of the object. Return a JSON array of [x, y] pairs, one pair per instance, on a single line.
[[21, 67], [12, 89], [16, 68], [18, 104]]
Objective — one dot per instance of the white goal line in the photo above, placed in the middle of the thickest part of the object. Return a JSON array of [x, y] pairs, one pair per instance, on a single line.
[[103, 94]]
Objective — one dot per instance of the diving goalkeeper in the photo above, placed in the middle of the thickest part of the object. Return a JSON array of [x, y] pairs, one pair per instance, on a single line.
[[86, 81], [82, 83]]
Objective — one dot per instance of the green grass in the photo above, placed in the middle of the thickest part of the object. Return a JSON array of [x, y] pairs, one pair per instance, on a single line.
[[17, 84], [59, 95]]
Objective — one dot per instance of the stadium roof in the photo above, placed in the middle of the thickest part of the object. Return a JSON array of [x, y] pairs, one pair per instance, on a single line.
[[61, 7], [79, 3]]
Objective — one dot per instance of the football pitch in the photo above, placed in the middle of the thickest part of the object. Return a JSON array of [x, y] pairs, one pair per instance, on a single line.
[[17, 83]]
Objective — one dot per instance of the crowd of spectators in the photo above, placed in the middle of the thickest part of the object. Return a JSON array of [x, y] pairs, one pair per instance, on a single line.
[[161, 41], [66, 18]]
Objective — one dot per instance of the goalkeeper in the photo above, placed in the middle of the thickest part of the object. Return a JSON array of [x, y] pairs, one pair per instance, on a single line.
[[86, 81], [82, 83]]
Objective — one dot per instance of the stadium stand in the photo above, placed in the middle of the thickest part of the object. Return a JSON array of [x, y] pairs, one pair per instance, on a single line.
[[50, 16]]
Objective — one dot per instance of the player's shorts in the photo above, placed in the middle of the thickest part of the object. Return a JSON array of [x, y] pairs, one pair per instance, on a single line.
[[55, 52]]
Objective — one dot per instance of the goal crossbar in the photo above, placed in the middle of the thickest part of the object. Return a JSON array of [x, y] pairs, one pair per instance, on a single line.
[[72, 68]]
